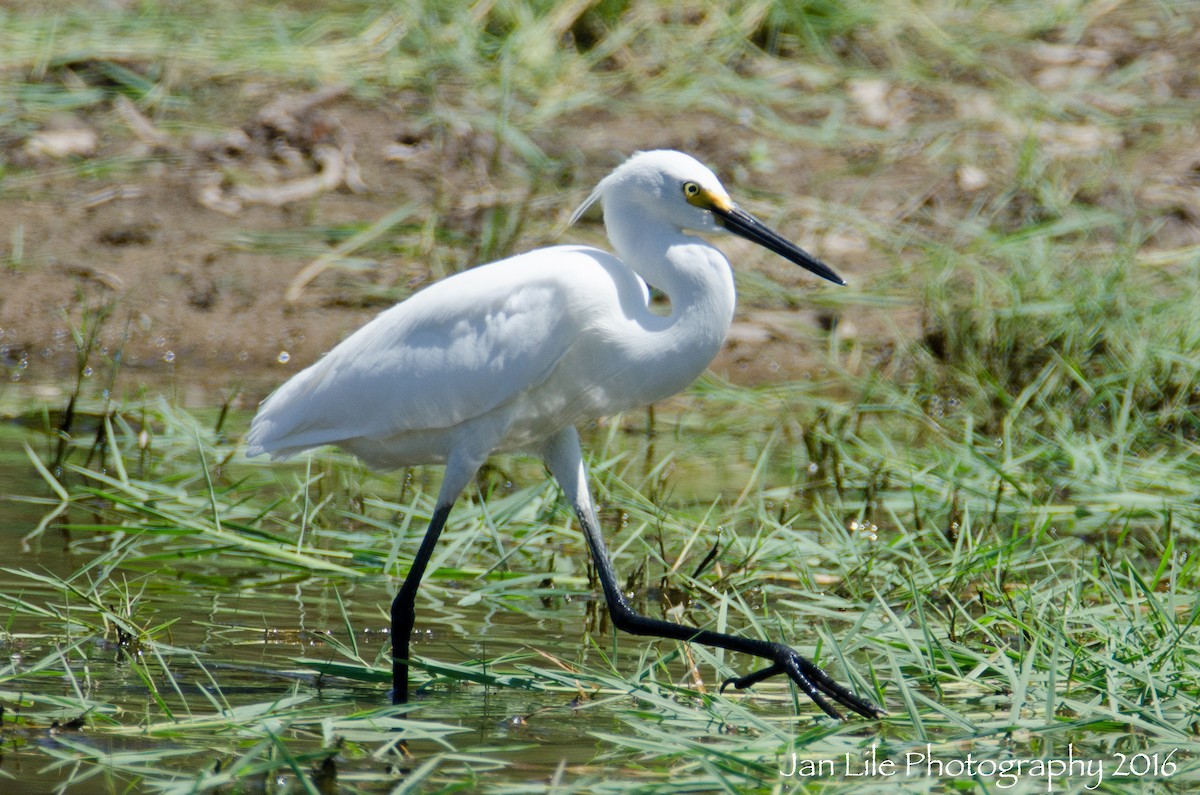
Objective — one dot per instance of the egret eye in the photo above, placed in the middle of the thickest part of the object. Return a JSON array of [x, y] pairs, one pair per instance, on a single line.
[[690, 189]]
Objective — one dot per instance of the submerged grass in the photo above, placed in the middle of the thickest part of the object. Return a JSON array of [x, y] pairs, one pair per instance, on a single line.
[[995, 600], [982, 518]]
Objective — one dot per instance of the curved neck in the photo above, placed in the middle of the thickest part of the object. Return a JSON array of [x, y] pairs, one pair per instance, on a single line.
[[696, 278]]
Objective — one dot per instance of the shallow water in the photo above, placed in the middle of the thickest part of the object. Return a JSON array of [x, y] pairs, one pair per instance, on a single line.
[[231, 634], [225, 675]]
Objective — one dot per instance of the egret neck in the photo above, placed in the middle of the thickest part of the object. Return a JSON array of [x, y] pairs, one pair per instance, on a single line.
[[698, 282]]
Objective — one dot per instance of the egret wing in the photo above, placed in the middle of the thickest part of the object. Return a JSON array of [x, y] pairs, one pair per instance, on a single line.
[[453, 352]]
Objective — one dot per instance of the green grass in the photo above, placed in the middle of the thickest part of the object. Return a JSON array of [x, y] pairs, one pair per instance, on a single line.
[[979, 510], [1005, 601]]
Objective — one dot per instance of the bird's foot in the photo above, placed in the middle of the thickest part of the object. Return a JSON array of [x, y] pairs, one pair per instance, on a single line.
[[815, 683]]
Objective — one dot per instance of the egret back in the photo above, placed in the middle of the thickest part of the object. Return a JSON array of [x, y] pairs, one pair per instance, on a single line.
[[461, 349]]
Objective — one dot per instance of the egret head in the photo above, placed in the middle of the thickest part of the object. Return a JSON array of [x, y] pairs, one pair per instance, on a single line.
[[682, 191], [664, 184]]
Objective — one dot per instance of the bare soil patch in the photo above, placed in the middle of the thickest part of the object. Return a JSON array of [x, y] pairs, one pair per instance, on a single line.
[[164, 237]]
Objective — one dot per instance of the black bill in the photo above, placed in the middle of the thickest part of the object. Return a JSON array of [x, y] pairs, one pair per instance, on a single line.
[[743, 224]]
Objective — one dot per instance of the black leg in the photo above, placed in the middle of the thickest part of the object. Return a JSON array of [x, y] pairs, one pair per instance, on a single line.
[[563, 456], [815, 683], [404, 605]]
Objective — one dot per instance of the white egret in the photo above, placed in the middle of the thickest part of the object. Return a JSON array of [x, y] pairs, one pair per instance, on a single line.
[[514, 354]]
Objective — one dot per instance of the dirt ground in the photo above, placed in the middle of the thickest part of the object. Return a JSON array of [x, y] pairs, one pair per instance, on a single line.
[[153, 230], [194, 240]]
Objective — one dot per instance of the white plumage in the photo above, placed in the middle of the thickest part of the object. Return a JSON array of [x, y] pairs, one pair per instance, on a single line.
[[504, 355], [514, 354]]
